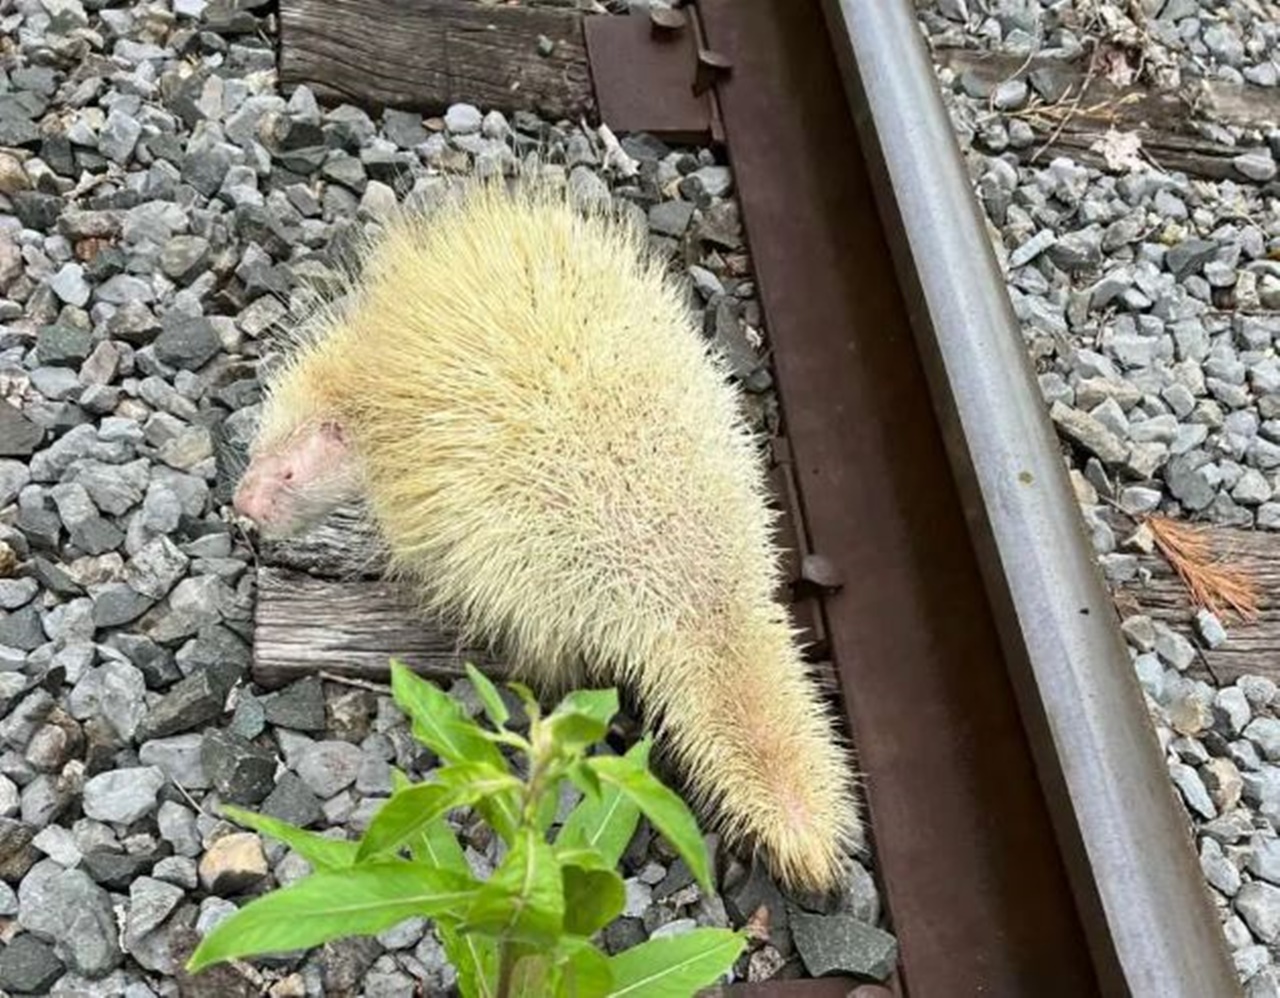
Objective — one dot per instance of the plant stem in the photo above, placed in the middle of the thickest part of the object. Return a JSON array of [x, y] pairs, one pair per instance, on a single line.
[[506, 964]]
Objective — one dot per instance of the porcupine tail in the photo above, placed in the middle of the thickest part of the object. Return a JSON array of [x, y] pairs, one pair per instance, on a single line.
[[757, 746]]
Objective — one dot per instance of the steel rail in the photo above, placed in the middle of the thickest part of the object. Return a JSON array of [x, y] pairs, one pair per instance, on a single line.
[[973, 880], [1126, 842]]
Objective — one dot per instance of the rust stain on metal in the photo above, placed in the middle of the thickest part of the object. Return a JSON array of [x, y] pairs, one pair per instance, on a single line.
[[643, 70], [806, 611], [974, 883]]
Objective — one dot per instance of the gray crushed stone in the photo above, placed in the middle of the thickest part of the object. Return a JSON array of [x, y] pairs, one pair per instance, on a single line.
[[1149, 303]]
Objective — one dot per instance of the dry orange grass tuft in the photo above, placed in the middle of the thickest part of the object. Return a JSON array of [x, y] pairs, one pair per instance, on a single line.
[[1212, 582]]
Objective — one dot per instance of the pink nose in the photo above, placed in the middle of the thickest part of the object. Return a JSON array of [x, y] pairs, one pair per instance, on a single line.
[[250, 502]]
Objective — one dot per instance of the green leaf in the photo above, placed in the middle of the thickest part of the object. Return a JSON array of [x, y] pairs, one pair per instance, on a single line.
[[531, 706], [473, 957], [667, 812], [548, 808], [524, 898], [584, 971], [440, 723], [582, 718], [438, 846], [321, 852], [533, 974], [599, 705], [479, 779], [362, 900], [592, 899], [489, 696], [587, 859], [606, 824], [585, 779], [678, 965], [493, 792], [406, 815], [572, 733]]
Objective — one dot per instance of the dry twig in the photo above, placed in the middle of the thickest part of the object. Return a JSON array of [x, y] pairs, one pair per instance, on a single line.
[[1211, 581], [360, 684]]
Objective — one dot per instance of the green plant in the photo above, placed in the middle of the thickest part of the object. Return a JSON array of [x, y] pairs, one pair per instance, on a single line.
[[527, 930]]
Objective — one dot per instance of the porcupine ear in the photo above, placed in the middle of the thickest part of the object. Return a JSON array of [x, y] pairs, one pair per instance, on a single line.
[[334, 432]]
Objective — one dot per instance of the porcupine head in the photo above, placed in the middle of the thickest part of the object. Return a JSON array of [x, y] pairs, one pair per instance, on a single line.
[[560, 466]]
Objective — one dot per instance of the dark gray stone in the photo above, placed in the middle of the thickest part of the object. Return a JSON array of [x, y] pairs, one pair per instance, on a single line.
[[21, 629], [118, 604], [63, 344], [117, 870], [194, 700], [19, 437], [183, 257], [193, 605], [1189, 256], [678, 877], [205, 169], [833, 944], [69, 909], [134, 323], [347, 171], [345, 962], [156, 568], [730, 338], [187, 343], [155, 663], [403, 128], [1186, 479], [624, 933], [179, 757], [29, 966], [299, 706], [36, 210], [96, 536], [17, 854], [757, 889], [670, 218], [239, 770], [218, 651], [151, 901], [249, 719], [16, 131], [293, 801]]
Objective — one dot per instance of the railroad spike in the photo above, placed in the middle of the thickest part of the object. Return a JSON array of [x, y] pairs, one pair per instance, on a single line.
[[820, 573], [712, 67], [665, 22]]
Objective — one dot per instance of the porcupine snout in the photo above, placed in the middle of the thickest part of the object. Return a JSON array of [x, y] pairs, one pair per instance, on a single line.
[[294, 484]]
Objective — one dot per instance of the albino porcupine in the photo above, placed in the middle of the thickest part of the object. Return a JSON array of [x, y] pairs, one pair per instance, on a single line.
[[559, 465]]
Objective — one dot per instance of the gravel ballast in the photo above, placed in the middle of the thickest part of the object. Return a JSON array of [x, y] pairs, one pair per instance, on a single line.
[[1149, 301], [160, 202]]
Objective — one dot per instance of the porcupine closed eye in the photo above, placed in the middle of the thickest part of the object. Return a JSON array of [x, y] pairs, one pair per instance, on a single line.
[[559, 466]]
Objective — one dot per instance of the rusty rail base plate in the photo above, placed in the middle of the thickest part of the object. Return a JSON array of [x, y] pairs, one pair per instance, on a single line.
[[644, 82], [973, 880]]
